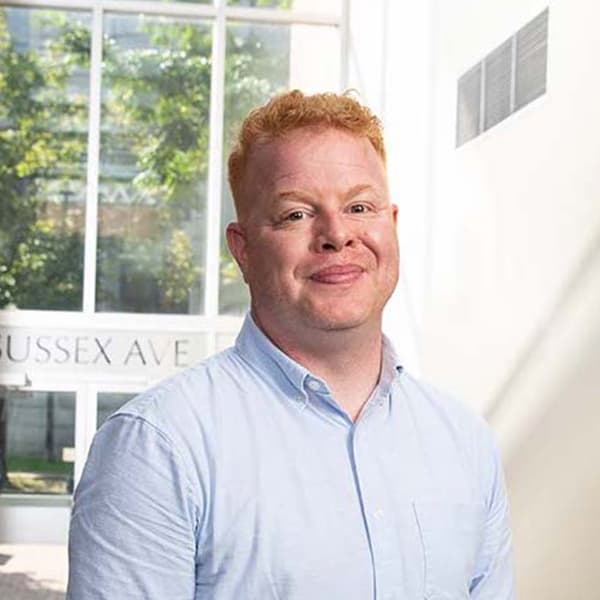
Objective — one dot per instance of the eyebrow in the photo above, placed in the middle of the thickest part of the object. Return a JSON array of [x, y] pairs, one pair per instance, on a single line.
[[291, 195], [351, 193], [363, 187]]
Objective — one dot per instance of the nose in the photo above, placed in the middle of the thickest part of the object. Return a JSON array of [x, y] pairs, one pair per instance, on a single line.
[[332, 233]]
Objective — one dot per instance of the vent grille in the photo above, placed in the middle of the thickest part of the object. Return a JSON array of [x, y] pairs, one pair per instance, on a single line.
[[497, 69], [469, 105], [531, 60], [508, 78]]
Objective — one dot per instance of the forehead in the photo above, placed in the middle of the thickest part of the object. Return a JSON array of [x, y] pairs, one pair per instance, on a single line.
[[313, 157]]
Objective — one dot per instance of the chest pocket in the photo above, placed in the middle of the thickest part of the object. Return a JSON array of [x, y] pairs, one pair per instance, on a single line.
[[451, 535]]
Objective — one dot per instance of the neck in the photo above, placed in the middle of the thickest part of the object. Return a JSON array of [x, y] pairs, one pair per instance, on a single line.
[[348, 360]]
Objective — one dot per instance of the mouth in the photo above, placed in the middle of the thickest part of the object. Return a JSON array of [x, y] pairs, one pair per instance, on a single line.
[[337, 274]]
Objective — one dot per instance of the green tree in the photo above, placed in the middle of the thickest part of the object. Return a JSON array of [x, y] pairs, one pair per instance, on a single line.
[[40, 251], [155, 117], [158, 110]]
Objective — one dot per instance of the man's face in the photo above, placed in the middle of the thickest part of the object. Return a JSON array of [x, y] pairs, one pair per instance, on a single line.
[[316, 240]]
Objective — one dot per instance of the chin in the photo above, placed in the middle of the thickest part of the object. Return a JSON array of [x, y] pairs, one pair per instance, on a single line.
[[336, 321]]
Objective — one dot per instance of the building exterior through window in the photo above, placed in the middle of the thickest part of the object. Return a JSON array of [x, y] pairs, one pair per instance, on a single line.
[[115, 124]]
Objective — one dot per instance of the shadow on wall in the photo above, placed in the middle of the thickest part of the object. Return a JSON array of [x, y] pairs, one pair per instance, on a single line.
[[21, 586], [570, 310], [547, 419], [554, 484]]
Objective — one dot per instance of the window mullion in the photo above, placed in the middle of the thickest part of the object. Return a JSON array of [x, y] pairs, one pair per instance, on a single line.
[[215, 174], [93, 159], [345, 45], [85, 426]]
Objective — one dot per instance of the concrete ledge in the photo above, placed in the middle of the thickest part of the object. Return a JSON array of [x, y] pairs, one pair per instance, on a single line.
[[34, 519], [35, 500]]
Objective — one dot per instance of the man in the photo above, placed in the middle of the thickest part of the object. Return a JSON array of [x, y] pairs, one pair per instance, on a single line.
[[303, 463]]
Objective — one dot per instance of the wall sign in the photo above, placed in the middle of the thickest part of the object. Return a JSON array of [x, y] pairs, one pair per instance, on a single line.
[[146, 354]]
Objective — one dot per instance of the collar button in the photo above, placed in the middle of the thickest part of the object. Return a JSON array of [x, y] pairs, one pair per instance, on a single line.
[[314, 385]]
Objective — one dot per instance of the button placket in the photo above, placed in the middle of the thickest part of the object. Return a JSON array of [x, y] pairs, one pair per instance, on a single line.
[[379, 528]]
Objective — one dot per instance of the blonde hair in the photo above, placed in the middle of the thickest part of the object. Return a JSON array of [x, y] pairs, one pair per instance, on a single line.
[[293, 110]]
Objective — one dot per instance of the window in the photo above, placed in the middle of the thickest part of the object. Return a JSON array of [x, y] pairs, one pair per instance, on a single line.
[[113, 128], [508, 78], [108, 403], [44, 62], [151, 246], [115, 123], [36, 442]]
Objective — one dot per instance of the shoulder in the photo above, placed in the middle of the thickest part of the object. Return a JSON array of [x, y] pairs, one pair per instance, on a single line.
[[428, 403], [178, 417], [189, 395]]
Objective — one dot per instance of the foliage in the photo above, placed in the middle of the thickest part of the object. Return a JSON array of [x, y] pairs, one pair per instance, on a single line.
[[154, 151], [40, 261], [154, 146]]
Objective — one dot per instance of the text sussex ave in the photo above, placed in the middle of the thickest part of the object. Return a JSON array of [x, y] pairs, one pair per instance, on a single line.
[[114, 349]]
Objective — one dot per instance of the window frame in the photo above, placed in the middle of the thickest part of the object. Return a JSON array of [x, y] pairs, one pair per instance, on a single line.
[[220, 14], [216, 326]]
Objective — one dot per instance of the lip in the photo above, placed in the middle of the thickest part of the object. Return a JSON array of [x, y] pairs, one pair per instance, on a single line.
[[337, 274]]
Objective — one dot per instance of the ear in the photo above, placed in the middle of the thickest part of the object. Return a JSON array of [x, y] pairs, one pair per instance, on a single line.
[[236, 241], [395, 214]]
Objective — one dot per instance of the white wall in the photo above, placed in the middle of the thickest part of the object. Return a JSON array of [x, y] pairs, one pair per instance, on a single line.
[[500, 244], [389, 67], [516, 209]]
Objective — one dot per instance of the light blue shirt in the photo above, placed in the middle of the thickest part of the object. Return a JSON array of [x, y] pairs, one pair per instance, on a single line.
[[242, 479]]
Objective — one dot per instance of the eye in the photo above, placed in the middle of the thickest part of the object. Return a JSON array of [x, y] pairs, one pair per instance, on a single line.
[[296, 215], [358, 209]]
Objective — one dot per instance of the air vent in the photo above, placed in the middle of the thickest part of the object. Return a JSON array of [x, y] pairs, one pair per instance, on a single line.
[[508, 78], [497, 77], [531, 60], [469, 105]]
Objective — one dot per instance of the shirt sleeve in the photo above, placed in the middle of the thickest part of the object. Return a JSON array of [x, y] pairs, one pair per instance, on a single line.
[[133, 522], [495, 579]]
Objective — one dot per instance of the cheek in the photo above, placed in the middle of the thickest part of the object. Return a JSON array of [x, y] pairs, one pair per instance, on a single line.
[[383, 243], [273, 259]]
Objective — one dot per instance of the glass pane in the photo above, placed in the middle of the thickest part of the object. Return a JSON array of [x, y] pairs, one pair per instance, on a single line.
[[44, 81], [37, 438], [260, 61], [309, 6], [153, 165], [108, 403]]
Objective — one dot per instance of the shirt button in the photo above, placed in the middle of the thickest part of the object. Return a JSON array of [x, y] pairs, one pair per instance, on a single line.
[[314, 385], [379, 513]]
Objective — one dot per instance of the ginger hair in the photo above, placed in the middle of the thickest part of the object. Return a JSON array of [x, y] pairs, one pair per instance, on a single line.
[[294, 110]]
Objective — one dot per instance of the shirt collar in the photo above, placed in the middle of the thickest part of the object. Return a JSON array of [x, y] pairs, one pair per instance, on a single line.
[[390, 368], [258, 349]]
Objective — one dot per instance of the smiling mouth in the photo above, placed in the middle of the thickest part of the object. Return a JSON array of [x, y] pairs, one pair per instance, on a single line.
[[337, 274]]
